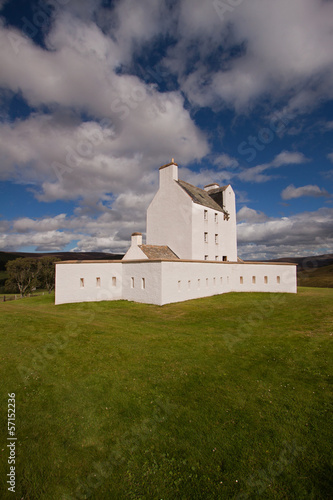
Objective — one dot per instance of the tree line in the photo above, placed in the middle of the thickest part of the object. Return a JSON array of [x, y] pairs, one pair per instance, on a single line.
[[25, 274]]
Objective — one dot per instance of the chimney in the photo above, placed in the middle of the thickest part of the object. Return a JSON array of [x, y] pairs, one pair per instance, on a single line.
[[136, 239], [210, 187], [168, 173]]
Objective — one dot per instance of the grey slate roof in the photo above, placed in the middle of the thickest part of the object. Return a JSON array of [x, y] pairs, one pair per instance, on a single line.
[[201, 197], [158, 252]]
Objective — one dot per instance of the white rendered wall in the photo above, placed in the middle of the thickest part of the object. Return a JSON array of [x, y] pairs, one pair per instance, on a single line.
[[169, 217], [190, 280], [156, 282], [229, 229], [134, 253], [134, 289], [225, 230], [68, 285]]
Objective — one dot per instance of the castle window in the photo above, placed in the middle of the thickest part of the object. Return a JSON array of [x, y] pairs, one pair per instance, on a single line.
[[206, 281], [198, 282], [241, 280], [224, 258], [206, 237], [266, 279], [216, 239], [253, 280], [179, 285], [206, 257], [216, 257], [214, 281], [189, 284], [278, 280], [98, 281], [143, 283], [216, 217], [221, 280], [114, 281], [205, 214], [132, 282], [81, 282]]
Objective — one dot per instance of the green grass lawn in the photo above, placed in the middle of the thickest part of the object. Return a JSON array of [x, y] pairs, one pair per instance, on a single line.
[[216, 398]]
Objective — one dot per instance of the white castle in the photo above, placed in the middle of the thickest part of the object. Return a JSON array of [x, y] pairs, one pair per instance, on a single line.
[[190, 252]]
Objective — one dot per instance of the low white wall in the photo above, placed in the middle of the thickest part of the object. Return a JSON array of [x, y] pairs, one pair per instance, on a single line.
[[156, 282], [190, 280], [69, 287], [137, 290]]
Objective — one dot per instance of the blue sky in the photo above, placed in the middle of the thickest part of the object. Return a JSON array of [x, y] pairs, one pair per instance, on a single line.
[[96, 95]]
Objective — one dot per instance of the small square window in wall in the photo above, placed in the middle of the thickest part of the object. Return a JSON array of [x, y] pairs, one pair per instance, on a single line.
[[179, 285], [132, 282], [114, 281], [224, 258], [216, 239], [254, 280], [198, 282], [266, 279], [205, 214], [221, 280], [207, 282], [216, 257], [143, 283], [241, 280], [214, 281], [189, 284], [216, 217], [98, 281], [278, 280], [206, 237], [81, 282], [206, 257]]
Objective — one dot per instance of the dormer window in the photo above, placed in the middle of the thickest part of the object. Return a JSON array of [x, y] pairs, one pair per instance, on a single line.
[[205, 214]]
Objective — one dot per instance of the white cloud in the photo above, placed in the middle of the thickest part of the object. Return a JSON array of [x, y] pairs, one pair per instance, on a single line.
[[302, 234], [284, 47], [330, 156], [255, 174], [246, 214], [290, 192], [225, 161]]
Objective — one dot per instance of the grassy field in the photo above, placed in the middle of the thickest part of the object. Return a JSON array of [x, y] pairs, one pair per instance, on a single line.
[[217, 398]]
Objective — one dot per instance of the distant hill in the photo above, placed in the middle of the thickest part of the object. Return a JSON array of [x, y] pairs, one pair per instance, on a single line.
[[314, 270], [6, 256], [308, 263]]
